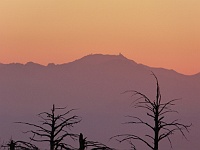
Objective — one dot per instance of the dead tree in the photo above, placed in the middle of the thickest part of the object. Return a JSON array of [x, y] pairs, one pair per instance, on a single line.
[[83, 144], [54, 128], [19, 145], [157, 111]]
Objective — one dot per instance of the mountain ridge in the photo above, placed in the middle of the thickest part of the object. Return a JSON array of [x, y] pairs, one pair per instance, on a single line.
[[94, 59]]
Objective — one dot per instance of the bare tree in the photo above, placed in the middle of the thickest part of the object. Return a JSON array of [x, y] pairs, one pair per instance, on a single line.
[[156, 110], [19, 145], [94, 145], [54, 128]]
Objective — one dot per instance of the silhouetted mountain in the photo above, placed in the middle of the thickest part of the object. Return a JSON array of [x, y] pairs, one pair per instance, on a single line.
[[99, 59], [32, 64], [93, 84]]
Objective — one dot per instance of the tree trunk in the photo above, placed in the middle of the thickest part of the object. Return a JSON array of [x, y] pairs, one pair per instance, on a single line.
[[12, 145], [156, 130], [81, 142], [51, 146]]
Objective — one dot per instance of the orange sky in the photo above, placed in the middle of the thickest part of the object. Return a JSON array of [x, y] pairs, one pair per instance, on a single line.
[[163, 33]]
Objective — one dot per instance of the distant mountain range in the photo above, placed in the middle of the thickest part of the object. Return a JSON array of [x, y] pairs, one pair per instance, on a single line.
[[94, 84]]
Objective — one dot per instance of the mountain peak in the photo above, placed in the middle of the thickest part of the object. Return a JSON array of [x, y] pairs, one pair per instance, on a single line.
[[122, 56], [106, 56], [32, 64], [101, 58]]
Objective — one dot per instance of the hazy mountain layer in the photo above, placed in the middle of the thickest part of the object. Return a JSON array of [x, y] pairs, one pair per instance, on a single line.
[[94, 84]]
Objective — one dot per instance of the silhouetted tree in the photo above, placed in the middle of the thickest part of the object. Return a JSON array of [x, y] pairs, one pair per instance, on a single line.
[[94, 145], [54, 128], [156, 110], [19, 145]]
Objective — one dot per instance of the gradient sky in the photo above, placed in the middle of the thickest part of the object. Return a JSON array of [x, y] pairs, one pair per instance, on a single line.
[[163, 33]]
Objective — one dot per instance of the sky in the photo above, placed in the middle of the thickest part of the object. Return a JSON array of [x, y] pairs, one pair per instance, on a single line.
[[155, 33]]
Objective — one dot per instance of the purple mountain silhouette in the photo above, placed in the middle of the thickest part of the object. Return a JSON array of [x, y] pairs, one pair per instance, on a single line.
[[94, 84]]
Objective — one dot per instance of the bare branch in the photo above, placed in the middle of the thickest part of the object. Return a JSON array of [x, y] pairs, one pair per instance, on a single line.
[[140, 121], [126, 137]]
